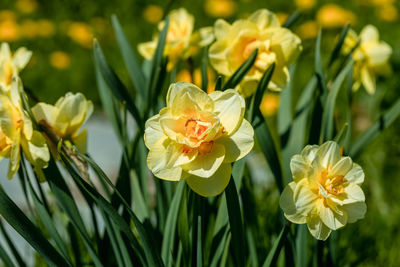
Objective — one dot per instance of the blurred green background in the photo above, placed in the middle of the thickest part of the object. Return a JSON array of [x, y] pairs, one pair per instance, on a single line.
[[60, 34]]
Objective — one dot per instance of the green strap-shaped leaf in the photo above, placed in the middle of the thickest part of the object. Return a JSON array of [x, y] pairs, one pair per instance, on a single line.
[[336, 51], [239, 74], [17, 219], [236, 223], [5, 258], [301, 245], [327, 126], [276, 248], [171, 224], [291, 20], [383, 122], [218, 83], [132, 64], [204, 74], [114, 83]]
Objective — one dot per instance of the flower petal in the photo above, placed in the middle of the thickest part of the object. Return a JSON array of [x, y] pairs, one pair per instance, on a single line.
[[331, 219], [286, 45], [264, 19], [309, 152], [21, 57], [328, 154], [368, 80], [230, 107], [153, 131], [206, 165], [369, 33], [342, 167], [304, 197], [355, 175], [147, 49], [299, 167], [213, 185], [221, 29], [36, 150], [354, 193], [287, 204], [239, 144], [355, 211], [317, 228]]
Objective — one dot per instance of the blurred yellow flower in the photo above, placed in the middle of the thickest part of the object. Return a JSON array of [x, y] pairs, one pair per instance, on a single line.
[[59, 60], [269, 104], [11, 64], [26, 6], [382, 2], [16, 131], [185, 76], [64, 119], [153, 14], [325, 192], [81, 33], [45, 28], [371, 57], [220, 8], [29, 29], [282, 17], [388, 13], [235, 43], [305, 4], [197, 137], [7, 15], [9, 31], [308, 30], [334, 16], [181, 42]]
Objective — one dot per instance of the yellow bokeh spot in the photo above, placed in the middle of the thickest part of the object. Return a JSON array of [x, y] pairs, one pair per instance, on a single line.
[[307, 30], [81, 33], [7, 15], [220, 8], [282, 17], [333, 16], [388, 13], [26, 6], [45, 28], [269, 104], [9, 31], [305, 4], [59, 60], [153, 14], [185, 76], [29, 29]]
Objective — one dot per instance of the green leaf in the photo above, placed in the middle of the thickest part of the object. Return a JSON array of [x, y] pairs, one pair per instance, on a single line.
[[301, 245], [218, 83], [285, 115], [327, 126], [268, 148], [183, 228], [336, 51], [291, 20], [252, 248], [261, 87], [5, 258], [236, 223], [204, 65], [239, 74], [276, 248], [17, 219], [318, 61], [11, 246], [130, 59], [170, 225], [383, 122], [224, 241], [342, 135], [114, 83]]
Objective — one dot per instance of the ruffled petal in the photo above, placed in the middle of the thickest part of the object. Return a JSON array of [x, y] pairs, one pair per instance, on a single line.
[[288, 205], [317, 228]]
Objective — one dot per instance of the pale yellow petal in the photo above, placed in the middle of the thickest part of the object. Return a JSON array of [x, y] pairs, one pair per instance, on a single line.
[[355, 211], [342, 167], [230, 108], [354, 193], [286, 45], [48, 114], [264, 19], [161, 158], [22, 57], [369, 33], [153, 131], [298, 167], [378, 54], [28, 128], [239, 144], [147, 49], [218, 57], [5, 52], [221, 29], [328, 154], [317, 228], [205, 165], [355, 175], [368, 80], [213, 185], [304, 198], [309, 152], [330, 218], [280, 78], [15, 157], [36, 150], [287, 204]]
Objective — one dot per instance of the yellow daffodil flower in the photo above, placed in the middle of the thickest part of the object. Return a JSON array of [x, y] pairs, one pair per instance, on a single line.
[[262, 31], [371, 57], [11, 64], [197, 137], [325, 192], [64, 119], [16, 131], [181, 41]]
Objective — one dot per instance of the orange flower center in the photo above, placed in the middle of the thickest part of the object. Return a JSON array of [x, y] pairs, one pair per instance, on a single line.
[[196, 130], [333, 184]]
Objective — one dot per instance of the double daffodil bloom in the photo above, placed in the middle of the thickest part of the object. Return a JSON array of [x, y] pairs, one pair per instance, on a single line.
[[11, 64], [64, 119], [325, 192], [16, 131], [197, 137], [181, 41], [235, 43], [371, 57]]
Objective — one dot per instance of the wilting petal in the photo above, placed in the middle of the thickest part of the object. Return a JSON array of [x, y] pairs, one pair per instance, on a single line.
[[288, 205], [317, 228], [206, 165], [230, 107], [239, 144], [213, 185]]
